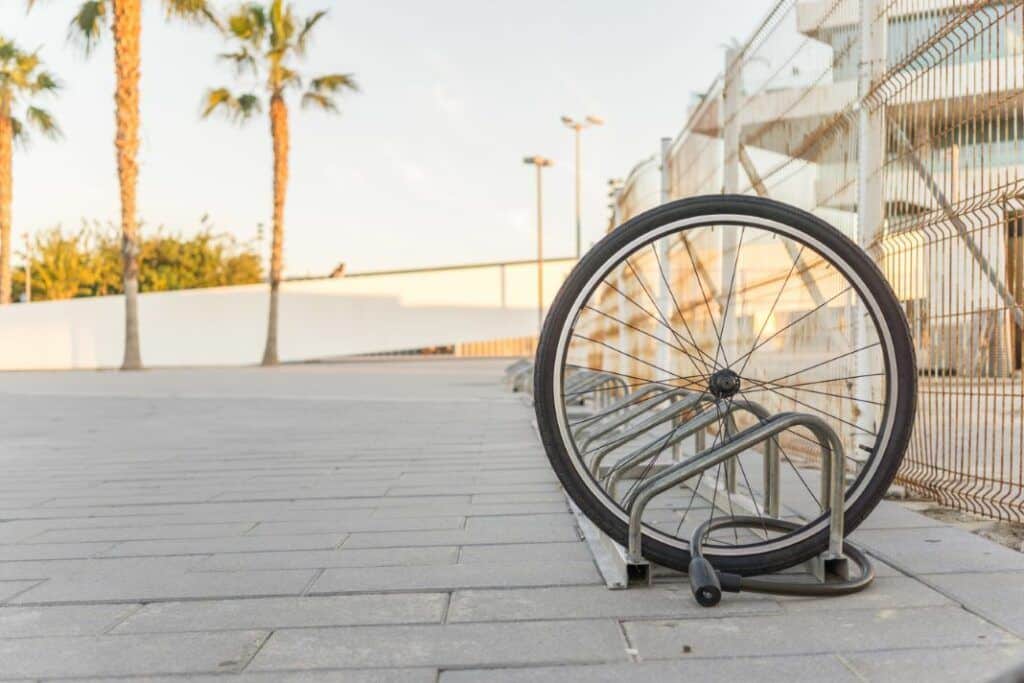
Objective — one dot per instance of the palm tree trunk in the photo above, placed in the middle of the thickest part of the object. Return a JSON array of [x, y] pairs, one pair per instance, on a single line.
[[127, 34], [279, 136], [6, 194]]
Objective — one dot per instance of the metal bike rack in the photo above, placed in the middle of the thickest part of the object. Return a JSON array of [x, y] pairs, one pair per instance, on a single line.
[[626, 566], [833, 483], [626, 417]]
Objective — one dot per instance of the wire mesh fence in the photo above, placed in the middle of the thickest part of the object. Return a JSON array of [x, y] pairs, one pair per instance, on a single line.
[[901, 122]]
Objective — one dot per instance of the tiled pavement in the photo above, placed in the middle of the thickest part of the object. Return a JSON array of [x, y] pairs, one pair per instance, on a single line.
[[395, 520]]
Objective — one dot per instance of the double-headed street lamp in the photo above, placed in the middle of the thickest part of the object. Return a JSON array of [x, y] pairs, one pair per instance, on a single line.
[[577, 127], [539, 162]]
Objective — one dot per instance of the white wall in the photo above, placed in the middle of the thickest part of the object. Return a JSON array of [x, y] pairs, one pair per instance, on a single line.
[[319, 318]]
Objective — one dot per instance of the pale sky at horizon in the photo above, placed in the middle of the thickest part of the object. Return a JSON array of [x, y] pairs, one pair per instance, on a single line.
[[424, 167]]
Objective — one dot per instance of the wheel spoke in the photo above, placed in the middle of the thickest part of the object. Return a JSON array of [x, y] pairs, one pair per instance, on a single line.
[[764, 387], [771, 311], [661, 313], [652, 336], [824, 362], [629, 355], [728, 300], [700, 285], [675, 302], [660, 321], [800, 319]]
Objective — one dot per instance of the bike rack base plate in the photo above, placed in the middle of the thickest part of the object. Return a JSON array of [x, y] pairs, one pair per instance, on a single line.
[[616, 568]]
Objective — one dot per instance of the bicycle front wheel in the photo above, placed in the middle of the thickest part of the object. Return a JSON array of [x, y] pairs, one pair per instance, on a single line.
[[720, 312]]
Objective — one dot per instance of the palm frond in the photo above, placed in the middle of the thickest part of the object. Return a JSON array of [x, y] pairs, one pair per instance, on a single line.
[[88, 24], [43, 121], [334, 83], [302, 40], [249, 105], [26, 61], [289, 78], [243, 60], [18, 129], [45, 82], [192, 10], [237, 109], [248, 24], [320, 101]]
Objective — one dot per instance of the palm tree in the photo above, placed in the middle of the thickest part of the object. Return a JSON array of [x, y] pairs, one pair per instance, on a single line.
[[267, 41], [22, 79], [125, 20]]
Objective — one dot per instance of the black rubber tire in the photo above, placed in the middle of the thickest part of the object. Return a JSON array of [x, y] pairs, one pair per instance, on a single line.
[[904, 374]]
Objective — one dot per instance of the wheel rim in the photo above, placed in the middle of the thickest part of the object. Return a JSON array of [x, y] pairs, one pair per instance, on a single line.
[[770, 349]]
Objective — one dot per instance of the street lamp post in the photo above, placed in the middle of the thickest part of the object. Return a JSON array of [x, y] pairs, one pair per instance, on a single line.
[[539, 162], [577, 127]]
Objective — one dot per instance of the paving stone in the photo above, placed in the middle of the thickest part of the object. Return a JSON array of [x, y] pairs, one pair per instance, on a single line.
[[450, 645], [892, 515], [574, 551], [495, 535], [806, 633], [329, 676], [319, 559], [10, 589], [141, 533], [997, 596], [884, 592], [943, 550], [507, 524], [235, 544], [952, 665], [62, 620], [792, 669], [529, 497], [451, 577], [473, 489], [364, 491], [179, 653], [170, 586], [586, 602], [277, 613], [470, 509], [342, 526], [54, 551]]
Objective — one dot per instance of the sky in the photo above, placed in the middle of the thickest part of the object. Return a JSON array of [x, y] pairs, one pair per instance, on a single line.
[[424, 165]]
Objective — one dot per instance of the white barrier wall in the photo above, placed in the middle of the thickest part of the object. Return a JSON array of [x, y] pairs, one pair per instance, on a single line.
[[361, 313]]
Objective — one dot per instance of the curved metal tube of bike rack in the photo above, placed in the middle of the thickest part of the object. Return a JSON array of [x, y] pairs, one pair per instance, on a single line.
[[621, 404], [698, 424], [589, 380], [832, 474], [630, 414], [689, 401]]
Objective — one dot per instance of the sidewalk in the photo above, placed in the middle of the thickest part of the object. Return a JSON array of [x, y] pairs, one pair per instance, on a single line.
[[397, 519]]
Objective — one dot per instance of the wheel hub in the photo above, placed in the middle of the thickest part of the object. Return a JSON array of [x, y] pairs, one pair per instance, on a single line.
[[724, 383]]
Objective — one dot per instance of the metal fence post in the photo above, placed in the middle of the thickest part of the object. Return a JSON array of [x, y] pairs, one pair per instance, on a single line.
[[732, 91], [664, 284], [870, 191], [623, 311]]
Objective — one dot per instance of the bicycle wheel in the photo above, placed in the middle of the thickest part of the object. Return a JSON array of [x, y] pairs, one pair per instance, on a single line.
[[721, 311]]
